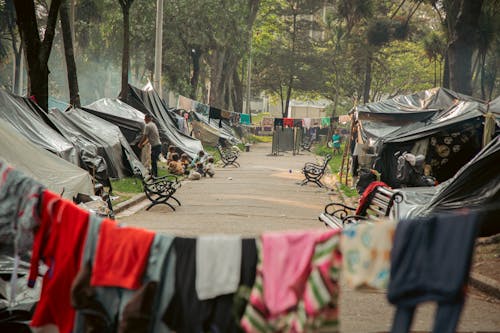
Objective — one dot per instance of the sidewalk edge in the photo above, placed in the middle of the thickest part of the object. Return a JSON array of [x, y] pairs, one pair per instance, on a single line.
[[128, 203], [485, 284]]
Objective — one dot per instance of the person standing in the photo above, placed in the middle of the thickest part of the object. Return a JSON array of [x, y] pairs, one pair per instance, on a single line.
[[151, 134], [336, 142]]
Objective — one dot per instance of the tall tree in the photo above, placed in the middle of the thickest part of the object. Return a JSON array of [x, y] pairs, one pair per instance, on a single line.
[[37, 50], [463, 34], [125, 5], [9, 32], [66, 29]]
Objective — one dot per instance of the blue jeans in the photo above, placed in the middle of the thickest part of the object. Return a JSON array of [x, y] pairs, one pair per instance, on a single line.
[[155, 153]]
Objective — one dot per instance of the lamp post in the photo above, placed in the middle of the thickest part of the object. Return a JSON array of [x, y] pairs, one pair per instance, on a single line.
[[158, 46]]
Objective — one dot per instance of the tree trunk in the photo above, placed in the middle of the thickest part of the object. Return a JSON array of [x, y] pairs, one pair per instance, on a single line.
[[446, 71], [74, 96], [37, 51], [237, 93], [125, 4], [368, 78], [462, 45], [483, 73], [288, 96], [195, 77]]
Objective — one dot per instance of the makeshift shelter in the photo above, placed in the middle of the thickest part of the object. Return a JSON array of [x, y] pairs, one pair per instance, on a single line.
[[148, 102], [59, 175], [208, 130], [129, 120], [83, 128], [26, 119], [475, 186], [444, 126]]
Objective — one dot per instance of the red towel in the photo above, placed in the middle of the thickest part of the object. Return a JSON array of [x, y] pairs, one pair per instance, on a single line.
[[121, 256], [59, 243], [288, 122], [366, 197]]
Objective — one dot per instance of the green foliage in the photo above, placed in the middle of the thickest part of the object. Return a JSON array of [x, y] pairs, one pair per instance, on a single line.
[[127, 185], [259, 138], [348, 191]]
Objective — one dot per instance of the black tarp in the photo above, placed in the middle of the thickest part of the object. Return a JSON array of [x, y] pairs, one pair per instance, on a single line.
[[149, 102], [85, 129], [129, 120], [24, 117], [475, 186]]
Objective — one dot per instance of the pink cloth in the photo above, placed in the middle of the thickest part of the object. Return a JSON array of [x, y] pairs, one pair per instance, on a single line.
[[286, 266]]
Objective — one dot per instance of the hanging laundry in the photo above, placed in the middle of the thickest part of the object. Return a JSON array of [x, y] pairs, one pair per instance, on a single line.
[[315, 122], [19, 198], [288, 122], [267, 121], [201, 108], [226, 114], [307, 123], [59, 243], [296, 288], [366, 250], [325, 122], [121, 256], [214, 113], [245, 119], [186, 313], [430, 261], [185, 103], [278, 122], [297, 123], [218, 263]]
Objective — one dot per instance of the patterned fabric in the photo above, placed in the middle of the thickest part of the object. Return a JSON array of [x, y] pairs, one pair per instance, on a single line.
[[317, 308], [226, 114], [244, 119], [267, 121], [185, 103], [19, 198], [201, 108], [366, 254]]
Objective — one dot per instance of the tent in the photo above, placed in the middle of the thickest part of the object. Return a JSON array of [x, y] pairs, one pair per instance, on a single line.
[[475, 186], [26, 119], [148, 102], [83, 128], [129, 120], [58, 175]]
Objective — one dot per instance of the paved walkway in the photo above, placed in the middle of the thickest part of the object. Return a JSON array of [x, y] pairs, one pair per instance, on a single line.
[[263, 195]]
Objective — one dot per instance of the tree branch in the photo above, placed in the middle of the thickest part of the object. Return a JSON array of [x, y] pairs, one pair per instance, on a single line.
[[49, 31]]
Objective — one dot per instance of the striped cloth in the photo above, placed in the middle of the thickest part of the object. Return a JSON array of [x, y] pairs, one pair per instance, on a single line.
[[317, 307]]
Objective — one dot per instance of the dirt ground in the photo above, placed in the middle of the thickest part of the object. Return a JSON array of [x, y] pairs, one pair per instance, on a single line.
[[263, 195]]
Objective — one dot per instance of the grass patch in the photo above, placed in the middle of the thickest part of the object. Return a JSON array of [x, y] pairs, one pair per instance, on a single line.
[[213, 152], [126, 185], [259, 138], [349, 192]]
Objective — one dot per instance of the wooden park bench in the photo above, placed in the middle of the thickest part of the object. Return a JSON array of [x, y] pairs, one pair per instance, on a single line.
[[160, 190], [337, 215], [314, 172], [228, 156]]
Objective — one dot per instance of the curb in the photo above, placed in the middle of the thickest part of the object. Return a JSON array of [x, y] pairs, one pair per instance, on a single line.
[[485, 284], [128, 203]]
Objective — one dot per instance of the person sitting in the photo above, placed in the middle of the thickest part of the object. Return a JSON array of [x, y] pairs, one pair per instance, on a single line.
[[185, 163], [175, 166], [199, 158], [171, 151], [209, 167]]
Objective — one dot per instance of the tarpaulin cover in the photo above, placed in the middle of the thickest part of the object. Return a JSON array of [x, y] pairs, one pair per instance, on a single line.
[[129, 120], [384, 118], [149, 102], [225, 132], [26, 121], [54, 172], [81, 126], [475, 186]]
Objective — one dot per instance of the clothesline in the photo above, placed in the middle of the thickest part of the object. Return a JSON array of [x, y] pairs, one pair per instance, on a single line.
[[180, 283], [213, 112]]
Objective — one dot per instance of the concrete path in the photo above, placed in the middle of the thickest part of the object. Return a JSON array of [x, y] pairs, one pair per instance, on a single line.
[[263, 195]]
